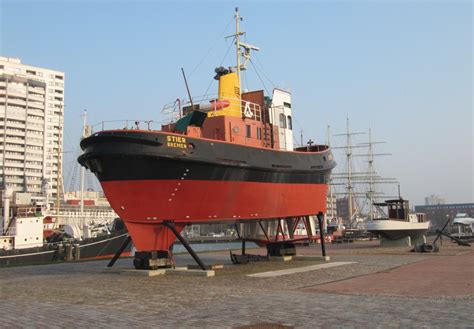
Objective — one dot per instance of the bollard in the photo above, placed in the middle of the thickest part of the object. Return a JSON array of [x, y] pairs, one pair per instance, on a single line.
[[77, 252], [68, 252]]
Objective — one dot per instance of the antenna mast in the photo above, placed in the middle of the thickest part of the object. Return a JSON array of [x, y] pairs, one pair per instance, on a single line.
[[237, 40], [246, 47]]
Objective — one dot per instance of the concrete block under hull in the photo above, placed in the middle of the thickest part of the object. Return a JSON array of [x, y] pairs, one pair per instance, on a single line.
[[143, 272], [207, 273], [281, 258], [403, 242], [312, 257], [209, 267]]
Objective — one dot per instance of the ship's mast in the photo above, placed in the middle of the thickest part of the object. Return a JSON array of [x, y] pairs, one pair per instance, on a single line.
[[331, 195], [371, 177], [242, 49], [349, 171], [237, 41], [83, 171], [348, 176], [58, 177]]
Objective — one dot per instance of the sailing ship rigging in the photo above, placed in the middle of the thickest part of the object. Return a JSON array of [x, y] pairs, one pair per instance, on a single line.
[[360, 187]]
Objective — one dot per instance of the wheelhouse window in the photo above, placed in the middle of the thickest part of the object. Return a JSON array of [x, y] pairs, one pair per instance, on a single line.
[[259, 133], [290, 123], [282, 121], [248, 131]]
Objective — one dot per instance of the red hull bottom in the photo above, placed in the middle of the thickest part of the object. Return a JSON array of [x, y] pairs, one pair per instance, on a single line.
[[144, 204]]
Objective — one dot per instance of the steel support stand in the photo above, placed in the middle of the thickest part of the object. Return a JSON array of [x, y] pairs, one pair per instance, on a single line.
[[120, 251], [279, 229], [321, 232], [263, 230], [307, 226], [185, 243], [237, 230]]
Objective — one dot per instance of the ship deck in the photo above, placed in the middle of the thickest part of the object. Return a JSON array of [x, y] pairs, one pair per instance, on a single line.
[[387, 287]]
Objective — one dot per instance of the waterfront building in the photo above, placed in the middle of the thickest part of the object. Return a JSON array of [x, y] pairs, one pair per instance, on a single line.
[[331, 207], [437, 214], [31, 127], [434, 199]]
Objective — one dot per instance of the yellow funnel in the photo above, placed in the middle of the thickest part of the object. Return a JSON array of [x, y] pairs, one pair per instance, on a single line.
[[229, 90]]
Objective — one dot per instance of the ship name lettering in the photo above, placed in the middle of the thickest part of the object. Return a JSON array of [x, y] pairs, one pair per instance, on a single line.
[[176, 142]]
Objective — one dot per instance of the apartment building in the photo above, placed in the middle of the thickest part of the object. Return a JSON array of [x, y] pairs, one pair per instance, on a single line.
[[31, 127], [331, 207]]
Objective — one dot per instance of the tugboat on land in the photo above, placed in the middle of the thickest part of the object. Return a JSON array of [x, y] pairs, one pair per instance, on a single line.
[[229, 158]]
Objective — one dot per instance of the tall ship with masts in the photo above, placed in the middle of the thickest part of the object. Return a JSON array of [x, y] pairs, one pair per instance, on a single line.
[[391, 220], [227, 159]]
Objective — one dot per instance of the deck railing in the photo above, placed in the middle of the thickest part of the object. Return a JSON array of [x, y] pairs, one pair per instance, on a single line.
[[136, 124], [173, 111]]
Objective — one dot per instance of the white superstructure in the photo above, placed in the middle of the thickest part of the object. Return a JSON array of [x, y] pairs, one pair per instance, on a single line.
[[31, 126], [281, 116]]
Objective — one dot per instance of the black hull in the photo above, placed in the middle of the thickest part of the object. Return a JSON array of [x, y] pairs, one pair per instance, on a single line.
[[100, 247], [105, 248], [138, 155]]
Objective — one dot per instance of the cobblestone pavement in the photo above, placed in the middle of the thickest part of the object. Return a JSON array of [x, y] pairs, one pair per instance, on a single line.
[[84, 295]]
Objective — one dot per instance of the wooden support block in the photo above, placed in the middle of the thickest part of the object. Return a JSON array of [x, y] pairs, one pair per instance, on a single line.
[[313, 257], [207, 273], [209, 267], [281, 258], [143, 272]]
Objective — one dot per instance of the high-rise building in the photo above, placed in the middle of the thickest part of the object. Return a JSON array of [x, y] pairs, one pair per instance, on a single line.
[[331, 207], [434, 200], [31, 127]]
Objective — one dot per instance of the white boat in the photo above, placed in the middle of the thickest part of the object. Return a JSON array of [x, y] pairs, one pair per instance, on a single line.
[[399, 222], [463, 219], [465, 226]]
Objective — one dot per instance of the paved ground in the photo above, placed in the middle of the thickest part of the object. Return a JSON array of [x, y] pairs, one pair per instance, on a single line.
[[83, 295], [446, 276]]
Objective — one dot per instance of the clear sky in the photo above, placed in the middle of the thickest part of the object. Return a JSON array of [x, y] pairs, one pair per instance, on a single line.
[[403, 68]]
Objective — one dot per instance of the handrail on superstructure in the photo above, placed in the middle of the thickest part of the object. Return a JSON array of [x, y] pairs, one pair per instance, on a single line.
[[174, 109], [172, 112]]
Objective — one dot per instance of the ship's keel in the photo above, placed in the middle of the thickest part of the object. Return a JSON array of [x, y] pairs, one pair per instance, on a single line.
[[159, 255]]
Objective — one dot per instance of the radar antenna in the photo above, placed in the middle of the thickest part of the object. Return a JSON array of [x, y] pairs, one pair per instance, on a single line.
[[246, 48]]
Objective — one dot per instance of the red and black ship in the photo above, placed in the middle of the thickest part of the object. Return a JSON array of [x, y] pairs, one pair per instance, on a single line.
[[230, 158]]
